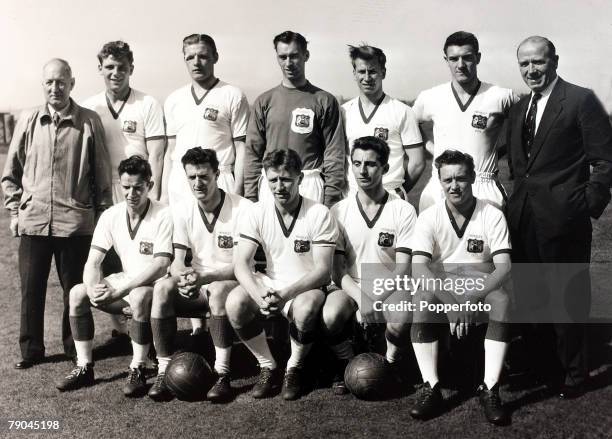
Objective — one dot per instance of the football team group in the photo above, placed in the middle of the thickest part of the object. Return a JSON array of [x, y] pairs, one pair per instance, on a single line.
[[161, 212]]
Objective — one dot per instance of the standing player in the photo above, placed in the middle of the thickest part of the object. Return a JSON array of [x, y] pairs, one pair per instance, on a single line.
[[133, 121], [465, 235], [298, 237], [375, 227], [208, 113], [300, 116], [140, 231], [208, 225], [374, 113], [133, 124], [467, 114]]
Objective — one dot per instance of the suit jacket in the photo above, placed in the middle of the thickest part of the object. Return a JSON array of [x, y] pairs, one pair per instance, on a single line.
[[574, 134]]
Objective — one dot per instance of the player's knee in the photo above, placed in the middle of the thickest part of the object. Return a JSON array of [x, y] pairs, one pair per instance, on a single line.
[[217, 296], [237, 305], [333, 318], [140, 302], [499, 301], [163, 292], [306, 307], [79, 297]]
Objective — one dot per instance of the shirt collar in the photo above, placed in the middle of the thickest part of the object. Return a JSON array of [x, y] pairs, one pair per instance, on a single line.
[[67, 112]]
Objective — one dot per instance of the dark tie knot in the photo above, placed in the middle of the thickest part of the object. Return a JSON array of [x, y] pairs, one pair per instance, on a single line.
[[536, 97]]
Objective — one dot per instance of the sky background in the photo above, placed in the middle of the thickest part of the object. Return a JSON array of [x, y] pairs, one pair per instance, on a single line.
[[411, 34]]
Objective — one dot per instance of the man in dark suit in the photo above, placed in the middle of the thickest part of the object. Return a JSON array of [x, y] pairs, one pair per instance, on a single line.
[[560, 142]]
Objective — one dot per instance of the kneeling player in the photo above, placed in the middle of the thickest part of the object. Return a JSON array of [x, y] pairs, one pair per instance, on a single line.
[[140, 231], [466, 232], [375, 228], [206, 224], [298, 237]]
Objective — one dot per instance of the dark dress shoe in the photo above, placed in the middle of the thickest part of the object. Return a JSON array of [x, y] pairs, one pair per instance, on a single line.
[[571, 392], [26, 364]]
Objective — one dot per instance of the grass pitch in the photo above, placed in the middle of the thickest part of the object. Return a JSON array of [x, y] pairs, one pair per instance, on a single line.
[[101, 411]]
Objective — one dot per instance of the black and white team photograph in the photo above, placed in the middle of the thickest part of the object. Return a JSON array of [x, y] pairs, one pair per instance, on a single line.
[[326, 219]]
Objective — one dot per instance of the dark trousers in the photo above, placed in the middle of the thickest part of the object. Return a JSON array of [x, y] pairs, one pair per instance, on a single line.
[[35, 254], [553, 292]]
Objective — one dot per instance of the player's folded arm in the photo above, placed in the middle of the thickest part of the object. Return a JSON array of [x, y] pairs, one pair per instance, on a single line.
[[92, 271], [245, 253], [494, 280]]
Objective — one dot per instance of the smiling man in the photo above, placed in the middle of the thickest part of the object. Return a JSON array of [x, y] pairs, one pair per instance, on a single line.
[[140, 231], [133, 121], [469, 238], [300, 116], [298, 236], [374, 113], [467, 114], [209, 113]]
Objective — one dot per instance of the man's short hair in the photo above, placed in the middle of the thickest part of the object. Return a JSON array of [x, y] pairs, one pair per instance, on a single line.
[[200, 156], [462, 38], [136, 165], [283, 158], [372, 143], [552, 50], [116, 49], [454, 157], [200, 39], [367, 53], [289, 37]]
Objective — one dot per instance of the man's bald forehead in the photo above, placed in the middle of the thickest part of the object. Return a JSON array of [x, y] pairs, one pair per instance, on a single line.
[[537, 39], [59, 63]]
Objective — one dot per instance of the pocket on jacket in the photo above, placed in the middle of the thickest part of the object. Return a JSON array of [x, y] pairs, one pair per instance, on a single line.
[[26, 200]]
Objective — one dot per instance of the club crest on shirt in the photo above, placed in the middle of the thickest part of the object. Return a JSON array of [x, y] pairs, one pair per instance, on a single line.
[[129, 126], [475, 246], [479, 121], [386, 239], [381, 133], [211, 114], [301, 246], [225, 241], [302, 120], [146, 248]]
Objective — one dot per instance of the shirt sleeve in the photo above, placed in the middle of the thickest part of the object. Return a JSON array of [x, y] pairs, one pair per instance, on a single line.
[[154, 121], [341, 241], [409, 129], [240, 117], [419, 109], [250, 225], [406, 224], [180, 233], [497, 232], [423, 238], [323, 227], [163, 240], [15, 161], [254, 151], [102, 181], [334, 156], [102, 239], [242, 211], [171, 126]]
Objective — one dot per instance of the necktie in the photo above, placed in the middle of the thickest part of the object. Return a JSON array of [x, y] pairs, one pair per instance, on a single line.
[[56, 119], [529, 130]]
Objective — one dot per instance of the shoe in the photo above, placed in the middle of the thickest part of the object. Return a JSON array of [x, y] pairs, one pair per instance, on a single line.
[[338, 386], [265, 384], [292, 384], [492, 405], [222, 390], [80, 376], [136, 384], [571, 392], [27, 363], [428, 402], [159, 391]]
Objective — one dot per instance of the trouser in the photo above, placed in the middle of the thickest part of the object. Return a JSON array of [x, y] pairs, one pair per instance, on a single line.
[[553, 288], [35, 254]]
